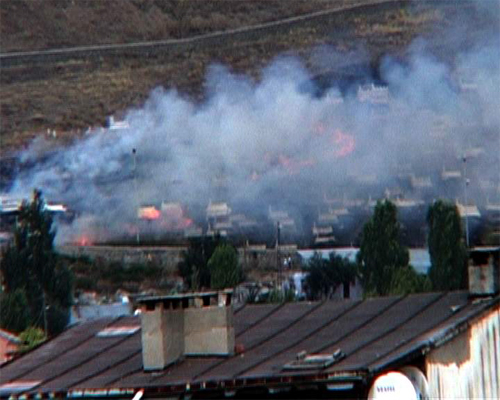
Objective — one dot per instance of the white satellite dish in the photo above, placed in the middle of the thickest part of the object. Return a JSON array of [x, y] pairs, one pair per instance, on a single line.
[[418, 380], [392, 386]]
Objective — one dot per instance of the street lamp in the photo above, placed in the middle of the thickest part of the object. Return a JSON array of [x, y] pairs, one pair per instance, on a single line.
[[466, 183]]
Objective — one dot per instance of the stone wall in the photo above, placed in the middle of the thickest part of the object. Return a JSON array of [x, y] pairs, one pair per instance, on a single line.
[[257, 259]]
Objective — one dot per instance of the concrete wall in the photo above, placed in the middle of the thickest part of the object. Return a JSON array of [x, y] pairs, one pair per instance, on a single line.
[[166, 257], [169, 257], [468, 366]]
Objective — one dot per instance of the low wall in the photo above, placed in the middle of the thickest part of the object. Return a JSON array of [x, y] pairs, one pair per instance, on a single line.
[[251, 258]]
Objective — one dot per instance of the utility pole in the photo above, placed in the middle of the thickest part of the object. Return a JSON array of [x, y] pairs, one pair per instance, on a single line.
[[278, 258], [137, 234], [466, 183]]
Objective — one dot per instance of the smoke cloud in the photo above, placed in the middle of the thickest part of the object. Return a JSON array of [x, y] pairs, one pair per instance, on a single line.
[[276, 142]]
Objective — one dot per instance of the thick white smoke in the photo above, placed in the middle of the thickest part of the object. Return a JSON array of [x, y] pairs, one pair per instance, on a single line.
[[276, 142]]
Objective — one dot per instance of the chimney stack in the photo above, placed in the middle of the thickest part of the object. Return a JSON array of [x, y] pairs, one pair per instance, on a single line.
[[484, 271], [191, 324]]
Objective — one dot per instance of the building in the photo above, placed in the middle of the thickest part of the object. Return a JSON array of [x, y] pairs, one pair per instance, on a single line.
[[200, 345], [9, 343]]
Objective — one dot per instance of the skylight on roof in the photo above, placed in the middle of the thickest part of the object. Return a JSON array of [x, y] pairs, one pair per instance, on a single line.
[[314, 361], [115, 331]]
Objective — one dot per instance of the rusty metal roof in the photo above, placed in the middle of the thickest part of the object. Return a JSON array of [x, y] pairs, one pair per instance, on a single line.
[[373, 335]]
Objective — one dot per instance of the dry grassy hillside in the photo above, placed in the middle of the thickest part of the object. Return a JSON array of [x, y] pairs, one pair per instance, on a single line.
[[72, 93], [44, 24]]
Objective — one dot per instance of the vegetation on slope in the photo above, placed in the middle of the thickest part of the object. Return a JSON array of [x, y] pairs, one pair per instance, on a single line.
[[70, 94]]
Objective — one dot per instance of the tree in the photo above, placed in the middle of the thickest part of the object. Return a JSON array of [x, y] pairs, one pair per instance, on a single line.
[[324, 275], [30, 266], [381, 254], [224, 267], [14, 314], [406, 280], [446, 247], [194, 266]]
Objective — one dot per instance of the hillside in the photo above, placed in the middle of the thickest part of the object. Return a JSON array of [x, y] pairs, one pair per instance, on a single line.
[[36, 24], [70, 93]]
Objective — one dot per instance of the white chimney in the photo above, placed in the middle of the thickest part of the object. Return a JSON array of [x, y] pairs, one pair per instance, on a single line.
[[186, 325]]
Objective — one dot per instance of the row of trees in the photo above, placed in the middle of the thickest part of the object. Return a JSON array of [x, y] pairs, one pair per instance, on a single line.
[[383, 264]]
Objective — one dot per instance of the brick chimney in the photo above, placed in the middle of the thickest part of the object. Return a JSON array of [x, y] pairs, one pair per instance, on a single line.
[[186, 325], [484, 271]]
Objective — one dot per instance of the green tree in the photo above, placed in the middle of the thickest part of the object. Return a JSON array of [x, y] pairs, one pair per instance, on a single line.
[[194, 266], [30, 265], [446, 247], [406, 280], [381, 254], [324, 275], [224, 267]]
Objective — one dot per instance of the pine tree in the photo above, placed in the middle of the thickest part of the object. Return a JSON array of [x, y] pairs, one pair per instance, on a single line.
[[446, 247]]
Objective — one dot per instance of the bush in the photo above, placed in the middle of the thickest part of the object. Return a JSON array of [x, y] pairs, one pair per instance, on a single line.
[[280, 296], [31, 337], [406, 280]]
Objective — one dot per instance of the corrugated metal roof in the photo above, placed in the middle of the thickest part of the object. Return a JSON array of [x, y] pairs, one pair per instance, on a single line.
[[374, 334]]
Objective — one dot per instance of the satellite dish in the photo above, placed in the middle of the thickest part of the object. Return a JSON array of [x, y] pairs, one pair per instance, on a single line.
[[392, 386], [418, 380]]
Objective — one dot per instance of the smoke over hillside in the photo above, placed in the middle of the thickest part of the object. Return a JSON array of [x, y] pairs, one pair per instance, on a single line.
[[276, 142]]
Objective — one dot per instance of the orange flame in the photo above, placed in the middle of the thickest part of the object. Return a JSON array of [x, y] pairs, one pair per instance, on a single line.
[[84, 240], [149, 213], [344, 143], [293, 166]]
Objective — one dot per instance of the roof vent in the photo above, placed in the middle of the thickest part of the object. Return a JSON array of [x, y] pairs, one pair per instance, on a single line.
[[314, 361]]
